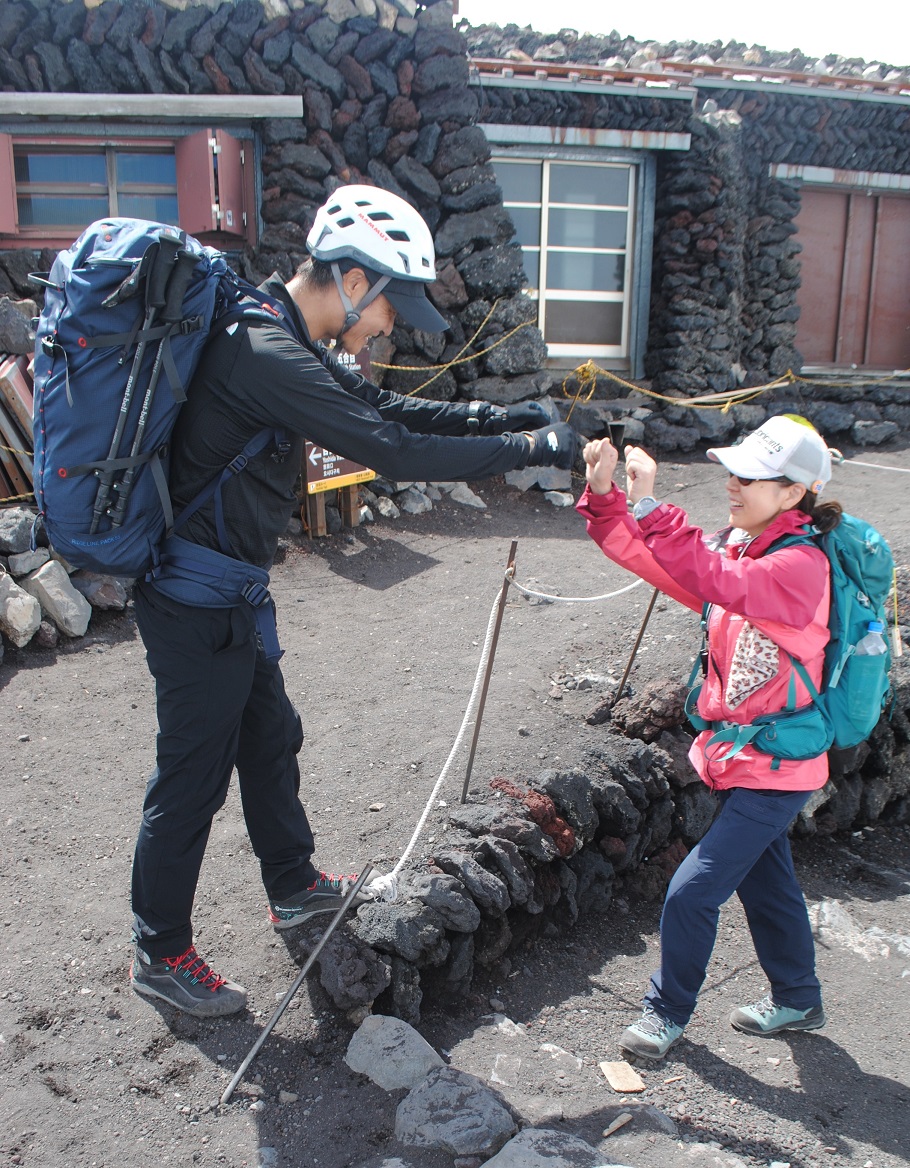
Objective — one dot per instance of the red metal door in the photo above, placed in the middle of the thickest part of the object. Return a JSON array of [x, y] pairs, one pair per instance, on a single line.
[[822, 227], [855, 280], [888, 339]]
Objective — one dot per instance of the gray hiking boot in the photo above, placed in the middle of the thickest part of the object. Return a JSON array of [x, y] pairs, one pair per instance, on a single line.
[[326, 894], [651, 1036], [765, 1018], [188, 983]]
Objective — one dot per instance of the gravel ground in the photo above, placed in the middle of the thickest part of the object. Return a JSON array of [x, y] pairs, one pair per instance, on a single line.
[[382, 628]]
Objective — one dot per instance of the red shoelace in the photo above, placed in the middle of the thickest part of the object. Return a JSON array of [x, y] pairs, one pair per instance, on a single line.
[[191, 965], [330, 878]]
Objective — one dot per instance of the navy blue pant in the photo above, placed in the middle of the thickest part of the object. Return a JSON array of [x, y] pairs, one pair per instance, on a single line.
[[220, 705], [746, 851]]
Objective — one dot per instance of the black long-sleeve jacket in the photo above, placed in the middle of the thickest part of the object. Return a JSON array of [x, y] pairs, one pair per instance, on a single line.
[[256, 376]]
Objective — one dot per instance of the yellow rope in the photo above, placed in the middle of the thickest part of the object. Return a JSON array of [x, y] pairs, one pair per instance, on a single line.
[[458, 359], [13, 450], [588, 373]]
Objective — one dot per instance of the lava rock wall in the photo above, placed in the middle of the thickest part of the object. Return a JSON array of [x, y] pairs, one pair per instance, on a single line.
[[386, 101], [528, 857]]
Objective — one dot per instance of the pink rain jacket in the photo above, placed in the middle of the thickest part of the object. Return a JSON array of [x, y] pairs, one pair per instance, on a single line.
[[782, 598]]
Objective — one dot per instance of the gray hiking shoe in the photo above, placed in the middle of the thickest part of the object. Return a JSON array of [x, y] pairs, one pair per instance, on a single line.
[[188, 983], [325, 894], [651, 1036], [765, 1018]]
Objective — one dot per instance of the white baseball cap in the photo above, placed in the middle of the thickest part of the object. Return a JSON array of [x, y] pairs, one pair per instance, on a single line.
[[784, 446]]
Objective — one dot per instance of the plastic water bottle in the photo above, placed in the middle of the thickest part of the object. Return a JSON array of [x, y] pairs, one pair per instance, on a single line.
[[873, 643]]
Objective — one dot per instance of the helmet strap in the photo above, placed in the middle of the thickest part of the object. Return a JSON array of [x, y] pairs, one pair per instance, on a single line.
[[352, 314]]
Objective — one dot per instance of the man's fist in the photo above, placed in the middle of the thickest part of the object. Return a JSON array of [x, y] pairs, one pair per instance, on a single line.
[[553, 445], [485, 418]]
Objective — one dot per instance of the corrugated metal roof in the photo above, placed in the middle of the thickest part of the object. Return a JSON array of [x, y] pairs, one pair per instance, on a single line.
[[682, 79]]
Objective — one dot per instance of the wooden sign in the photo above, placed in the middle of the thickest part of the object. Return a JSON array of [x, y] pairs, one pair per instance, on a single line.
[[324, 470]]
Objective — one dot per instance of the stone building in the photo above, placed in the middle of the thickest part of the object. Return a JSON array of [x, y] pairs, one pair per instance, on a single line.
[[693, 219]]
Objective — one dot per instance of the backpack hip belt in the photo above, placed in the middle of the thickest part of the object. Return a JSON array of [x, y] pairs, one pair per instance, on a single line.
[[203, 578]]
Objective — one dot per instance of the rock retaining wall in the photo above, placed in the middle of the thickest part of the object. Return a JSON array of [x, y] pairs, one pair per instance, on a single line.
[[531, 857]]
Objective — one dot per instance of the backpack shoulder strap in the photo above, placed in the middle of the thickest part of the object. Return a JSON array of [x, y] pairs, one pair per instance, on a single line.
[[254, 307], [808, 537]]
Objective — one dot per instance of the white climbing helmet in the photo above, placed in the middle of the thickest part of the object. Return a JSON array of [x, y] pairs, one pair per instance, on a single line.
[[380, 232]]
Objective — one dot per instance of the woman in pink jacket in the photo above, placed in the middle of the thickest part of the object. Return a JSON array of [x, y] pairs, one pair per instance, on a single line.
[[759, 605]]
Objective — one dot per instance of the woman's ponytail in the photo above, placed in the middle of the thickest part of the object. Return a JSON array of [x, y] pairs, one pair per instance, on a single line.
[[824, 516]]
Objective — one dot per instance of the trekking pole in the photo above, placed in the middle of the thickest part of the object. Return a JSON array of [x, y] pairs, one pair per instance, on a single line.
[[156, 283], [171, 313], [641, 633], [305, 969], [510, 573]]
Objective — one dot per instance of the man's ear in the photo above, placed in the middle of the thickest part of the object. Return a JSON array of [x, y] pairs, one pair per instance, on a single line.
[[355, 284]]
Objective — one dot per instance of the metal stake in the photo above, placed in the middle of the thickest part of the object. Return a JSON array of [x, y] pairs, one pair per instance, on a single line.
[[510, 572], [641, 633], [285, 1001]]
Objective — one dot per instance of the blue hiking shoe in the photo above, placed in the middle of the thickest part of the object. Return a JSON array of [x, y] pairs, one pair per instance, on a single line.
[[651, 1036], [326, 894], [765, 1018]]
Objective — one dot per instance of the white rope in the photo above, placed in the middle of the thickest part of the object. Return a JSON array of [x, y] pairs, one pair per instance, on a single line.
[[386, 887], [841, 461], [577, 599]]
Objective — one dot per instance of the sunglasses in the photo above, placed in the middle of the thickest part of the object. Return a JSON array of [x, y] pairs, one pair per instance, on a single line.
[[748, 482]]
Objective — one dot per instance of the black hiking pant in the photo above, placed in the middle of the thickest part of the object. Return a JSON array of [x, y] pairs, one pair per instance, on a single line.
[[220, 705]]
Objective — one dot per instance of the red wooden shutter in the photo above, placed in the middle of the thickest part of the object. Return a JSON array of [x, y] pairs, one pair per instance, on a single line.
[[197, 206], [9, 219], [229, 165]]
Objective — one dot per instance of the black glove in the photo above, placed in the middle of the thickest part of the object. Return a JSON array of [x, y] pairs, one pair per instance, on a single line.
[[526, 415], [553, 445], [485, 418]]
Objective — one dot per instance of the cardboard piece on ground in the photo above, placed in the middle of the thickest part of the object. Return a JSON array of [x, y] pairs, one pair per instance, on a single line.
[[622, 1077]]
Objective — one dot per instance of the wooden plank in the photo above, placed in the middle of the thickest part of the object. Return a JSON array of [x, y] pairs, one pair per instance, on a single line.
[[16, 389], [15, 455], [6, 487], [17, 480], [349, 506], [312, 512]]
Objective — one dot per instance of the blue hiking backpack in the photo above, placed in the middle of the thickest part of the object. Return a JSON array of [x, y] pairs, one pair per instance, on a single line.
[[129, 305], [854, 687]]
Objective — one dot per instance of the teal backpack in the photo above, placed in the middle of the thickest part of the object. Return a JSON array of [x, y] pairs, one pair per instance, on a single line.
[[855, 687]]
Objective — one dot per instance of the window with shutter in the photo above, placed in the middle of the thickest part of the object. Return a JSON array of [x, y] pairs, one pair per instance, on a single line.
[[53, 187]]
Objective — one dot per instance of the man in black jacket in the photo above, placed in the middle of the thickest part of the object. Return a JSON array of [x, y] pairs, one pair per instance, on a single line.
[[207, 620]]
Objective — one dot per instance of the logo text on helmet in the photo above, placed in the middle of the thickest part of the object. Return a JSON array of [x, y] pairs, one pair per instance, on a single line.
[[369, 222]]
